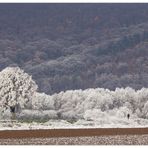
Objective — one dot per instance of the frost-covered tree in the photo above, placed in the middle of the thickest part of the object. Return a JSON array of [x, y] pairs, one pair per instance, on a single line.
[[16, 88], [41, 101]]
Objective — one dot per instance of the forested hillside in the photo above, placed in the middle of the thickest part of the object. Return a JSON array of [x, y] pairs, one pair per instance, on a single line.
[[76, 46]]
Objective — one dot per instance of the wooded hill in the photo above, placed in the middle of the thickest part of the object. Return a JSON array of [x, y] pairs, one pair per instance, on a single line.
[[76, 46]]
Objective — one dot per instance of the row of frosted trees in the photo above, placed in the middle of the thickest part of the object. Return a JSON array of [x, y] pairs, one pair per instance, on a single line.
[[19, 99]]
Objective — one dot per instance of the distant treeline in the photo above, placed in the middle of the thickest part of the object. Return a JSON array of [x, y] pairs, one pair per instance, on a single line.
[[76, 46]]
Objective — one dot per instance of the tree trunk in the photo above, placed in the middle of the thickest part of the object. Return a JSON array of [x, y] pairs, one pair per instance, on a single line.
[[13, 116]]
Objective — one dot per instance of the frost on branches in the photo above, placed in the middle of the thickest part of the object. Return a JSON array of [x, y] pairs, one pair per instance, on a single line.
[[91, 105], [97, 104], [16, 88]]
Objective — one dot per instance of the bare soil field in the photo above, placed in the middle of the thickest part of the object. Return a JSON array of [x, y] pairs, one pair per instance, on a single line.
[[94, 140], [99, 136]]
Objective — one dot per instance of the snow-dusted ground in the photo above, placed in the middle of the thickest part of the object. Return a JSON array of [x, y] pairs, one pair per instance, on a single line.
[[62, 124]]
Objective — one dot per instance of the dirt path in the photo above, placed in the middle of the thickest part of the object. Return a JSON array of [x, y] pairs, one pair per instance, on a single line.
[[46, 133]]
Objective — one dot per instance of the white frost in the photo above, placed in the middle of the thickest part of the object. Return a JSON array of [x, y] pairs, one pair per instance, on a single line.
[[94, 107]]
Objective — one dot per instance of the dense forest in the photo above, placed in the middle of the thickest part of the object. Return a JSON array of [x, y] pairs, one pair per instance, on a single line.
[[76, 46]]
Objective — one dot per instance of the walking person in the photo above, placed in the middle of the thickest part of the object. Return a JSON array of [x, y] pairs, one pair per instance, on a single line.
[[128, 116]]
